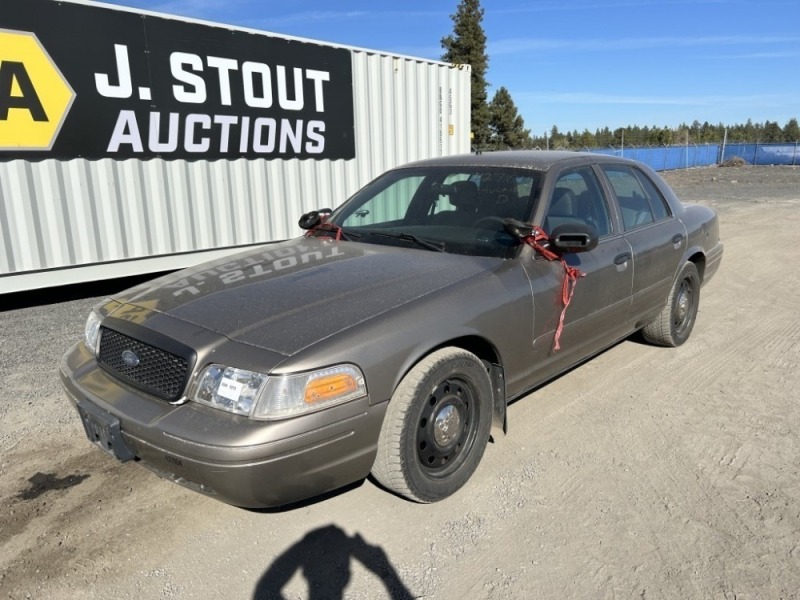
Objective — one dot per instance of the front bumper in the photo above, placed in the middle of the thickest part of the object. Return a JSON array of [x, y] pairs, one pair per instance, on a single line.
[[237, 460]]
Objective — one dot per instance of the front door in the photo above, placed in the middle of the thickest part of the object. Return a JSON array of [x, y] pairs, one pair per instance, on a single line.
[[598, 310]]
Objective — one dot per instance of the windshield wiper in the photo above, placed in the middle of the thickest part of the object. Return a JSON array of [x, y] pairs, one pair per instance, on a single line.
[[332, 230], [349, 235], [421, 242]]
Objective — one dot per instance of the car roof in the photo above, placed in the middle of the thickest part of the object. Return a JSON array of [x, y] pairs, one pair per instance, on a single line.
[[527, 159]]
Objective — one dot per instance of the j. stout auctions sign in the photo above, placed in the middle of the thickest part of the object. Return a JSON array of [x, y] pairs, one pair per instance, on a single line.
[[91, 82]]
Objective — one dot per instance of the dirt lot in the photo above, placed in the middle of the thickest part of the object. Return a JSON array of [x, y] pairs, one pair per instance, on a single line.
[[645, 473]]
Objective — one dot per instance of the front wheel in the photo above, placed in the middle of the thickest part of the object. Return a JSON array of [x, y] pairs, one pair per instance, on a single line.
[[672, 327], [436, 427]]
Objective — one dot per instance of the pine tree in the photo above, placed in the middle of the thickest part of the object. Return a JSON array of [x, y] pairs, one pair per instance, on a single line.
[[467, 45], [587, 139], [664, 136], [791, 131], [772, 132], [557, 139], [506, 125]]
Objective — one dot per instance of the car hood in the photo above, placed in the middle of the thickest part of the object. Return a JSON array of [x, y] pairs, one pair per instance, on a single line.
[[285, 297]]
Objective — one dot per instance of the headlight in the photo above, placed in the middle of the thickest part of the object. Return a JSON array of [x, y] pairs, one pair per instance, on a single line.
[[300, 393], [278, 396], [226, 388], [92, 331]]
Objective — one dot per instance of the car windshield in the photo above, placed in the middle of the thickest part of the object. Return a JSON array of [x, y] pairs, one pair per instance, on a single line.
[[458, 210]]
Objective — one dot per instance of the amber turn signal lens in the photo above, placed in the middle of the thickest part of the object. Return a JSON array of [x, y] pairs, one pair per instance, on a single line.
[[330, 387]]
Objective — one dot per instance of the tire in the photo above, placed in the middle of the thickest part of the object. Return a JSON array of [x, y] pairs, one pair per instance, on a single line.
[[418, 457], [674, 325]]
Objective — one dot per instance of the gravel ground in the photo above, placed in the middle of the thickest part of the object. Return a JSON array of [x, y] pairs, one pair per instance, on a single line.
[[645, 473]]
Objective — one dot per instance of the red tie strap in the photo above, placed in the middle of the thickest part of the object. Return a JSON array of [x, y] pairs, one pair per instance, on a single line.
[[323, 225], [571, 275]]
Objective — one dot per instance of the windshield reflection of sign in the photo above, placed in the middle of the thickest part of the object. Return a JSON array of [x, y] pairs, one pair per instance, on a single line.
[[137, 313], [255, 266]]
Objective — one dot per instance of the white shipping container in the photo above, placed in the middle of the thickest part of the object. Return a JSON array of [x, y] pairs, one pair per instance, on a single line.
[[105, 196]]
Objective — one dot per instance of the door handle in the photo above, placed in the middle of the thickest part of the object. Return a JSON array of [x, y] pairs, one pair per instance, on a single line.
[[676, 239], [621, 259]]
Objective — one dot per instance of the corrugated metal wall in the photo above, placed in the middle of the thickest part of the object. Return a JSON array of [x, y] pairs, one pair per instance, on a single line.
[[56, 214]]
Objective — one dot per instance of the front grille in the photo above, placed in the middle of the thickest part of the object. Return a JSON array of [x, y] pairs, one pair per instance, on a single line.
[[157, 371]]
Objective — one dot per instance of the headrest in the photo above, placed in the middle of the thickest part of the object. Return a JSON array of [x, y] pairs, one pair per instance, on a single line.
[[563, 202], [464, 195]]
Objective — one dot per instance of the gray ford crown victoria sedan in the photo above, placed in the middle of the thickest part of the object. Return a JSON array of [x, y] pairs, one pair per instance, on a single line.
[[391, 336]]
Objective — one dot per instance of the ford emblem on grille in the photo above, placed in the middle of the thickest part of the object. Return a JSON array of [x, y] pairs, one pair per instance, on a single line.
[[130, 358]]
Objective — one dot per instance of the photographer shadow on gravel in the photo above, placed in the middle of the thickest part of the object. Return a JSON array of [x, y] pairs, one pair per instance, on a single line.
[[323, 558]]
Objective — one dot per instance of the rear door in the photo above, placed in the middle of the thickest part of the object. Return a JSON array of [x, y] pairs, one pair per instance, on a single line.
[[656, 237]]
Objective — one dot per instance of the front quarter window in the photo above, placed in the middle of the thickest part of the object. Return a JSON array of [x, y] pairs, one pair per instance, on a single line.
[[577, 196]]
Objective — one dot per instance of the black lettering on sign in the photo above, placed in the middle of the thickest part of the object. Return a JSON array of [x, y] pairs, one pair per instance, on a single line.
[[27, 98]]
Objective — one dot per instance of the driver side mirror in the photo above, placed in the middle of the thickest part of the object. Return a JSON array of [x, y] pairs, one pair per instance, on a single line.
[[314, 218], [573, 237]]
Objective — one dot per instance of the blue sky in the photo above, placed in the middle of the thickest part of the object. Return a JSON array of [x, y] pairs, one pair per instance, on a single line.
[[577, 64]]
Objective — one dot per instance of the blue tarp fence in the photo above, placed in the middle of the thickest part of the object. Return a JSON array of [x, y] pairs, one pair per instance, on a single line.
[[765, 154], [665, 158]]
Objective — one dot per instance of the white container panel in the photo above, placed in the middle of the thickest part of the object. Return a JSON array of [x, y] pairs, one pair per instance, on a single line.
[[56, 214]]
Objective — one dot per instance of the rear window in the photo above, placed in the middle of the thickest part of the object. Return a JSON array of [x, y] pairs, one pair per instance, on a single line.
[[639, 200]]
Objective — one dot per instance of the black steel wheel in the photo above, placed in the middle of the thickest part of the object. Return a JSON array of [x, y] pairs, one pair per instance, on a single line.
[[675, 323], [436, 427]]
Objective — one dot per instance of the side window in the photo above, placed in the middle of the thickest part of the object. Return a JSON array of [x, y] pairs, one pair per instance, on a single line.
[[639, 200], [391, 204], [577, 196], [657, 201]]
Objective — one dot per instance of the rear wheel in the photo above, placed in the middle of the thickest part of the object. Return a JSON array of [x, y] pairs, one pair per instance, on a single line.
[[436, 427], [674, 325]]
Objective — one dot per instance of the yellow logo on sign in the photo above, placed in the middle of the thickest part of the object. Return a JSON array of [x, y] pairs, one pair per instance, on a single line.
[[137, 313], [34, 96]]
